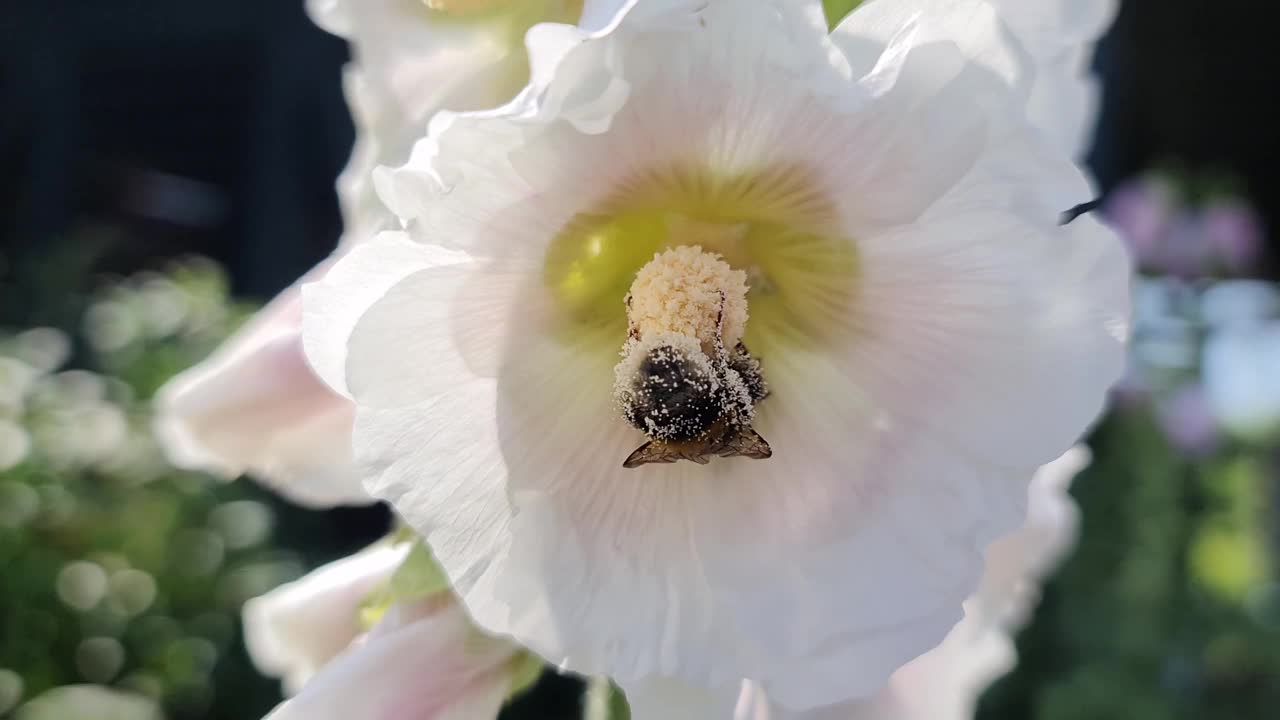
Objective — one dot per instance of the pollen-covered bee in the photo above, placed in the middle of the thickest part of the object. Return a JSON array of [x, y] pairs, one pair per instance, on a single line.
[[678, 382]]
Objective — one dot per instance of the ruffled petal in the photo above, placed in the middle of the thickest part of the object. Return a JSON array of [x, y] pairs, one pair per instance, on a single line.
[[973, 25]]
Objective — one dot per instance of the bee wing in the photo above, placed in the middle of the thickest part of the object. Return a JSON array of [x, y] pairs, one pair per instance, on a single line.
[[656, 451], [745, 442]]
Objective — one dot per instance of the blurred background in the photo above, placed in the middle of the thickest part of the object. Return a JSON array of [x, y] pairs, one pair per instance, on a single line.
[[167, 166]]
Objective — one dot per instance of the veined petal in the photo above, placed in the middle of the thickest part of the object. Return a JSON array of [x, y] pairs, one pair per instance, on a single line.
[[946, 682]]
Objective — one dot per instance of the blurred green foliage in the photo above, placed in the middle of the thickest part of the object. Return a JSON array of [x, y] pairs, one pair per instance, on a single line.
[[117, 569], [1169, 608]]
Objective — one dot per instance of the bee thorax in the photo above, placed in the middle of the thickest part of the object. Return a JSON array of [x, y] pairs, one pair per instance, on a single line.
[[667, 387]]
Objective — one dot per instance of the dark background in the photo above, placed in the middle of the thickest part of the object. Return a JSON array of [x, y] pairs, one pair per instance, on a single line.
[[142, 130]]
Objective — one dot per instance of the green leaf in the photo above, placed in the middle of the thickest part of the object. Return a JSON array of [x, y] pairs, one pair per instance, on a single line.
[[526, 668], [417, 577], [605, 701], [838, 9]]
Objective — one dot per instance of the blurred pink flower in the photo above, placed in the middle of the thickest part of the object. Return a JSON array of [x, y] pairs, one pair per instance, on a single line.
[[297, 628], [424, 660], [1141, 210], [254, 406], [1234, 231], [1188, 421]]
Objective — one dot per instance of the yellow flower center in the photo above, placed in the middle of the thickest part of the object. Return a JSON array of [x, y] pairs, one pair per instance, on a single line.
[[773, 224]]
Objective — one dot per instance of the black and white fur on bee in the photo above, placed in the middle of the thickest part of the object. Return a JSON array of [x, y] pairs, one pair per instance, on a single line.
[[692, 401]]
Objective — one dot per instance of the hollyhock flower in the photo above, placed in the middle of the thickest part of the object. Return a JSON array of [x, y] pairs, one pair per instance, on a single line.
[[946, 682], [254, 406], [924, 332], [297, 628], [423, 659]]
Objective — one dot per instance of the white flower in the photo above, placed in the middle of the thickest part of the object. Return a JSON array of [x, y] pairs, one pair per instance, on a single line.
[[422, 660], [255, 406], [946, 682], [296, 629], [15, 443], [89, 702], [16, 378], [928, 332]]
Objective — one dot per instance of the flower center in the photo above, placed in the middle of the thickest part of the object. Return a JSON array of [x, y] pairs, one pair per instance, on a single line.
[[685, 379], [772, 225]]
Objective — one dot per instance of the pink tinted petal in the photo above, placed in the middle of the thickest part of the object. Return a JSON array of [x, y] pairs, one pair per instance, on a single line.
[[422, 662], [297, 628]]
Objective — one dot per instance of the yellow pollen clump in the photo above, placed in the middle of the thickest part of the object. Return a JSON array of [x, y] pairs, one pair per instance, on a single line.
[[684, 290]]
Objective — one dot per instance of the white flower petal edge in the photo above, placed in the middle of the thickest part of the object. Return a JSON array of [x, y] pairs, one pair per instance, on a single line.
[[946, 682], [297, 628], [423, 660], [255, 406], [410, 61], [982, 339], [1050, 62], [1060, 35]]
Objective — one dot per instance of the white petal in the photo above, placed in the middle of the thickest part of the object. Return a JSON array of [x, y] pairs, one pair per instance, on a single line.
[[976, 340], [255, 406], [973, 25], [333, 304], [1060, 36], [411, 62], [946, 682], [421, 662], [1021, 558], [296, 629]]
